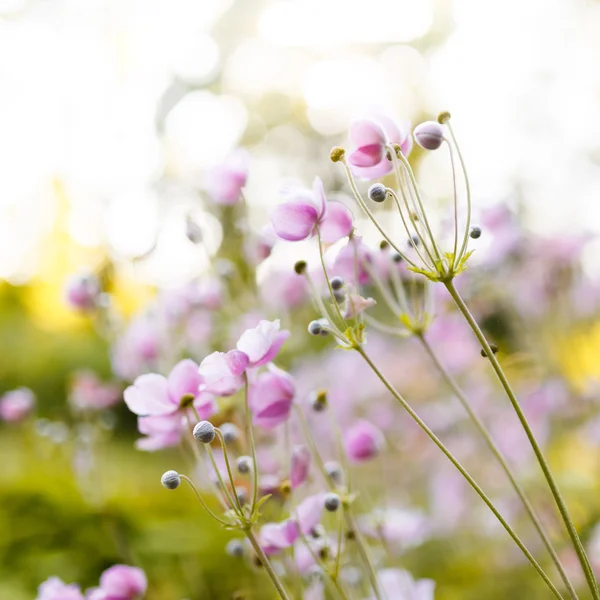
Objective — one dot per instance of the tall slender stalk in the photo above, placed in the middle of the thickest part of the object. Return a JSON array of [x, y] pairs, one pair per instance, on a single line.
[[485, 434], [559, 500], [462, 471]]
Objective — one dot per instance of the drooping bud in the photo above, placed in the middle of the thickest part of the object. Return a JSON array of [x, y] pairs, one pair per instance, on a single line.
[[204, 432], [377, 192], [475, 232], [171, 480], [244, 464], [332, 502], [337, 283], [300, 267], [336, 154], [429, 135]]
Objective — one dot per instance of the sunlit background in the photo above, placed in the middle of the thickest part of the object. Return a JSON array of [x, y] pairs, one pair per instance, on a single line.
[[112, 112]]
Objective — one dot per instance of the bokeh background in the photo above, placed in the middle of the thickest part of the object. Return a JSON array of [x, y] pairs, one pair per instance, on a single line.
[[112, 111]]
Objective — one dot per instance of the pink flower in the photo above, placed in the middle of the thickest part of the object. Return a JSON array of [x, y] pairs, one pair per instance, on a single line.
[[155, 395], [224, 183], [309, 512], [356, 304], [363, 441], [270, 397], [121, 582], [54, 589], [400, 585], [162, 431], [82, 291], [278, 536], [222, 372], [262, 343], [88, 392], [300, 465], [283, 289], [16, 405], [369, 138], [403, 528], [352, 260], [306, 210]]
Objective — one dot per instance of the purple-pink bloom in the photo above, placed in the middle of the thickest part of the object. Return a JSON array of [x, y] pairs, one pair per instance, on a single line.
[[82, 291], [262, 343], [89, 393], [306, 210], [352, 260], [161, 431], [222, 372], [278, 536], [270, 397], [225, 182], [363, 441], [121, 582], [16, 404], [300, 465], [369, 138], [400, 585], [55, 589]]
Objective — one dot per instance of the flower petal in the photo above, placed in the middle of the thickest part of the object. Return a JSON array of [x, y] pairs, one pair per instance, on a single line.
[[366, 132], [337, 224], [148, 396], [320, 199], [293, 221], [366, 156], [183, 379], [382, 168]]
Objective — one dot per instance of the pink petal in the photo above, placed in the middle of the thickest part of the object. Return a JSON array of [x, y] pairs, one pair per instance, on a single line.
[[320, 199], [337, 224], [382, 168], [394, 134], [148, 396], [309, 513], [183, 379], [366, 156], [274, 348], [237, 361], [257, 342], [205, 405], [366, 132], [294, 221], [123, 581], [300, 465]]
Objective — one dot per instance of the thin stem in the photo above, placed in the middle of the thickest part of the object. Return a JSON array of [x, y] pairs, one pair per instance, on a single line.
[[454, 257], [331, 294], [231, 496], [560, 503], [461, 469], [485, 434], [201, 500], [266, 564], [229, 473], [250, 433]]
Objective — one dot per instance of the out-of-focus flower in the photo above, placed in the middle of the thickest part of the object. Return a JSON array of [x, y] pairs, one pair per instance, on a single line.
[[300, 465], [352, 260], [55, 589], [278, 536], [397, 584], [363, 441], [155, 395], [306, 210], [224, 183], [262, 343], [222, 372], [82, 291], [162, 431], [356, 304], [121, 582], [16, 404], [270, 397], [369, 138], [402, 528], [309, 512], [283, 289], [89, 393], [137, 349]]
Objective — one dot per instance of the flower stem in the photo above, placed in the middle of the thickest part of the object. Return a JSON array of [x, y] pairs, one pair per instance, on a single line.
[[266, 564], [461, 469], [560, 503], [485, 434], [252, 443]]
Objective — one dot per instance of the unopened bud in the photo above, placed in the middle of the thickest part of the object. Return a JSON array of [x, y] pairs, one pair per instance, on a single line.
[[384, 245], [204, 432], [336, 154], [397, 257], [377, 192], [429, 135], [414, 241], [235, 548], [332, 502], [230, 432], [171, 480], [244, 464], [300, 267], [475, 232], [337, 283]]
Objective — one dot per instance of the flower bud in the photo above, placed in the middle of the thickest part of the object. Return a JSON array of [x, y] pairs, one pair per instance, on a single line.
[[429, 135], [337, 283], [336, 154], [397, 257], [332, 502], [242, 496], [414, 241], [315, 328], [339, 296], [204, 432], [300, 267], [475, 232], [384, 245], [443, 117], [235, 548], [335, 472], [171, 480], [318, 401], [230, 432], [377, 192], [244, 464]]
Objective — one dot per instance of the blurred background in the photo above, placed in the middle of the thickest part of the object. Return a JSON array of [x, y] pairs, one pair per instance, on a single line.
[[111, 114]]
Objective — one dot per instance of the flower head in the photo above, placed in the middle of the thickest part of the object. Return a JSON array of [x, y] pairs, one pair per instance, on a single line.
[[82, 291], [305, 211], [270, 397], [363, 441], [369, 138], [262, 343], [225, 182], [121, 582], [222, 372], [55, 589], [16, 404]]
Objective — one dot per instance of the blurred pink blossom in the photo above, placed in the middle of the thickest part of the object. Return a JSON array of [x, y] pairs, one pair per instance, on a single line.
[[89, 393], [300, 465], [224, 183], [16, 404], [54, 589], [270, 397], [363, 441]]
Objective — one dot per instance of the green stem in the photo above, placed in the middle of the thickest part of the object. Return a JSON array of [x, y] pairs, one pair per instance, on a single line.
[[485, 434], [266, 564], [250, 433], [560, 503], [461, 469], [331, 294]]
